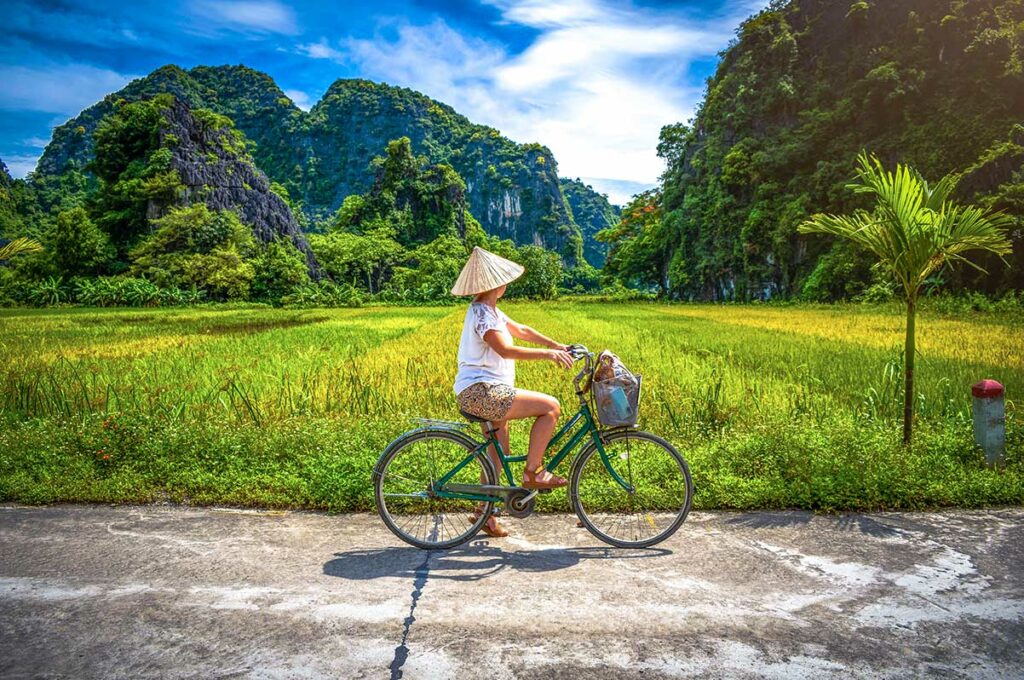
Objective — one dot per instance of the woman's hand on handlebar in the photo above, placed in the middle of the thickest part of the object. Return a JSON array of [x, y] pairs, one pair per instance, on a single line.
[[561, 358]]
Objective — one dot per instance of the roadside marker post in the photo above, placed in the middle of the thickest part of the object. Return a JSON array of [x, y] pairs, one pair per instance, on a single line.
[[989, 420]]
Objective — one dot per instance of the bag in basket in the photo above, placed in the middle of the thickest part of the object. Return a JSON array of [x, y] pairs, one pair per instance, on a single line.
[[616, 391]]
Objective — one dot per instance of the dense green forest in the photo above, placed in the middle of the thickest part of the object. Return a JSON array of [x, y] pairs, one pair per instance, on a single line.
[[805, 86]]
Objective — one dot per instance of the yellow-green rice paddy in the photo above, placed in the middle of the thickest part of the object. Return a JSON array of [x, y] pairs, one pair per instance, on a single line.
[[772, 406]]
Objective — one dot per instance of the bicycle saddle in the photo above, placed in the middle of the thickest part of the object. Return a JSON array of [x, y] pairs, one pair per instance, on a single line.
[[472, 418]]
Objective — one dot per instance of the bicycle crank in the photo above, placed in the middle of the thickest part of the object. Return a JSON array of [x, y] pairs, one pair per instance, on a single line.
[[519, 503]]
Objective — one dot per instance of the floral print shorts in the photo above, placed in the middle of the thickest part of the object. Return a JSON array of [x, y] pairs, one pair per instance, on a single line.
[[490, 401]]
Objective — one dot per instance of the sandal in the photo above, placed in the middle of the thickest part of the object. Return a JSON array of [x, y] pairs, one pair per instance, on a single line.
[[491, 526], [530, 480]]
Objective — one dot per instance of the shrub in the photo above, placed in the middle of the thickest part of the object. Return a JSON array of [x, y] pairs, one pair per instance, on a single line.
[[583, 278], [199, 247], [125, 291], [50, 291], [279, 269], [323, 294], [77, 246], [543, 273]]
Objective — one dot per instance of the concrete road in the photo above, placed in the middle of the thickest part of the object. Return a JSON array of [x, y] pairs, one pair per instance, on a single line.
[[132, 592]]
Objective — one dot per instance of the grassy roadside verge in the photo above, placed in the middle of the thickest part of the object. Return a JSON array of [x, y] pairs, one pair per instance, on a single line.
[[320, 463]]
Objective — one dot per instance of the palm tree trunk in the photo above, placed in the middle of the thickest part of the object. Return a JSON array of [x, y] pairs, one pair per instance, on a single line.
[[908, 363]]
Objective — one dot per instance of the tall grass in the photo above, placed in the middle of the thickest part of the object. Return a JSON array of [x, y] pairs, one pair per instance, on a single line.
[[774, 407]]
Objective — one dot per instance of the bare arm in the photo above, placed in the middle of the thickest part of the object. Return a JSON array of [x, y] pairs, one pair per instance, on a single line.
[[507, 350], [524, 332]]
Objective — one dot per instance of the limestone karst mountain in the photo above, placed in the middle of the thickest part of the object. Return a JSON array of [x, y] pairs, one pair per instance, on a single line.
[[323, 155]]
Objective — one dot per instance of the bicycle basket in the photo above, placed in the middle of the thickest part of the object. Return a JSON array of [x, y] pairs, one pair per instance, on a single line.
[[616, 392]]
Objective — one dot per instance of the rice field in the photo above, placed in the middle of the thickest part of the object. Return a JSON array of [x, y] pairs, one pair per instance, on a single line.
[[772, 406]]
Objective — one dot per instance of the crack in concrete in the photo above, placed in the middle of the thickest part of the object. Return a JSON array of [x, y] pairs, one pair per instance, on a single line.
[[419, 582]]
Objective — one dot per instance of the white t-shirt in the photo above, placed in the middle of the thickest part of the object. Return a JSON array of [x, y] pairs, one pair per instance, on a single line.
[[478, 362]]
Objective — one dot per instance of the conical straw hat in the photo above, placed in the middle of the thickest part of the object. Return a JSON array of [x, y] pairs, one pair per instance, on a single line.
[[485, 271]]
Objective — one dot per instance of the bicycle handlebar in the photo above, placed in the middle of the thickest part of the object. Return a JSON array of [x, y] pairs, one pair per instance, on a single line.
[[581, 352], [578, 351]]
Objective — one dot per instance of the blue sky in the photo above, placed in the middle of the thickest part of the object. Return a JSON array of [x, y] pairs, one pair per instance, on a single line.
[[594, 80]]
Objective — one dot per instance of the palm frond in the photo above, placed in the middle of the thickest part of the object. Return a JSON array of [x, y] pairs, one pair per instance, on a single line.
[[19, 246], [899, 196], [937, 197], [915, 228]]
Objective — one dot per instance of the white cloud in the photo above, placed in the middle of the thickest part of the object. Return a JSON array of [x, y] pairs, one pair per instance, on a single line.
[[246, 16], [544, 13], [430, 58], [35, 142], [299, 98], [20, 165], [59, 88], [595, 86], [619, 191], [320, 50]]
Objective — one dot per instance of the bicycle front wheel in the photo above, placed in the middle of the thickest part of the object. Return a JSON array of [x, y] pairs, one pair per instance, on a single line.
[[407, 501], [651, 504]]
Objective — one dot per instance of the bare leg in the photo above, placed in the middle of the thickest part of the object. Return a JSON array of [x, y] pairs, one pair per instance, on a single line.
[[501, 433], [546, 410]]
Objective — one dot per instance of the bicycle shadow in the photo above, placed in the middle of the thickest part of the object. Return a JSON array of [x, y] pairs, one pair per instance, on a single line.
[[476, 561]]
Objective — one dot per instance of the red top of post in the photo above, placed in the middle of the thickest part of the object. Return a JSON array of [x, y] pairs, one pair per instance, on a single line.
[[987, 388]]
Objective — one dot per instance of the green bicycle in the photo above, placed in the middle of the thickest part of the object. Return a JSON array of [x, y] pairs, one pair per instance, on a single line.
[[629, 488]]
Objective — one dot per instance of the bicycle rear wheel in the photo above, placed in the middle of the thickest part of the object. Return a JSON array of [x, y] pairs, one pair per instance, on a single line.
[[404, 489], [654, 506]]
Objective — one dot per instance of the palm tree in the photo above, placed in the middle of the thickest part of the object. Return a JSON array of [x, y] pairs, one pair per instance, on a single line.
[[19, 246], [914, 230]]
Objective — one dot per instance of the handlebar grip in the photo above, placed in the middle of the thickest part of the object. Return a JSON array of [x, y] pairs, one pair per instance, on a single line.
[[578, 351]]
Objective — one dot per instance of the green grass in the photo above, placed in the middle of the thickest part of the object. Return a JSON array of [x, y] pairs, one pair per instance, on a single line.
[[773, 407]]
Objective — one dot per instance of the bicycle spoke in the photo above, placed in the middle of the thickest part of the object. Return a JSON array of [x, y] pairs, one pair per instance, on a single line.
[[658, 483], [430, 461], [421, 523], [406, 479], [412, 520], [404, 493], [433, 532]]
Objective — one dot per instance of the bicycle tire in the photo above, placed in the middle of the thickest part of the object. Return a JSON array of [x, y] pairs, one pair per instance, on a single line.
[[610, 438], [394, 450]]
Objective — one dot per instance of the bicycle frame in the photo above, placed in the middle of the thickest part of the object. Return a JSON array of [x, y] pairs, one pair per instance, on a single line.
[[589, 428]]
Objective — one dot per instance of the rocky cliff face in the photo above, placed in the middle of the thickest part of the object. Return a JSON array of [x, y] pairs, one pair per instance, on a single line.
[[996, 168], [251, 99], [592, 212], [806, 86], [323, 156], [215, 169], [996, 182], [512, 189]]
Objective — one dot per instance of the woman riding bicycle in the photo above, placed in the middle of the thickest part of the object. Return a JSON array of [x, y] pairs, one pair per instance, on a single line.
[[485, 381]]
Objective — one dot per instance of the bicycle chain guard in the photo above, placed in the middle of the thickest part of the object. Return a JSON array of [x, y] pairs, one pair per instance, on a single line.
[[519, 503]]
